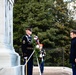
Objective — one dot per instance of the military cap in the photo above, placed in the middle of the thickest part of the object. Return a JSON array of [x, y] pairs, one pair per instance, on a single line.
[[28, 28]]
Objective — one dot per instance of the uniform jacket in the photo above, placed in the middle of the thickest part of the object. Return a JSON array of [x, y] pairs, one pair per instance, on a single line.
[[27, 47], [73, 50]]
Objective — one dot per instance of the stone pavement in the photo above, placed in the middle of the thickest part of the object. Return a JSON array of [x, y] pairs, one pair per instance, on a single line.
[[54, 71]]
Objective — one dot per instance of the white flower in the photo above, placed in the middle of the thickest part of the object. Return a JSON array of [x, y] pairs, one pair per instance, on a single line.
[[37, 46], [40, 55]]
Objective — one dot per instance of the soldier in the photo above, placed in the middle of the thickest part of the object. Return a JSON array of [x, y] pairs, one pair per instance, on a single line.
[[41, 56], [27, 49]]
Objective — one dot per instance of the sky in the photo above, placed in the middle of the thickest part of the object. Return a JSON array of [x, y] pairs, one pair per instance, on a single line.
[[67, 0]]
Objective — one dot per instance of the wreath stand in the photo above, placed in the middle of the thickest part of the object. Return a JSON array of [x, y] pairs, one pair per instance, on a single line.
[[29, 59]]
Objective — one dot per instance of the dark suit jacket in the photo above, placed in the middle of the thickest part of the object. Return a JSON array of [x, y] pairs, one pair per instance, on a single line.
[[73, 51]]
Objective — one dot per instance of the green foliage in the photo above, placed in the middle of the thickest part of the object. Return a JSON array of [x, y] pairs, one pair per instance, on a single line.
[[49, 20]]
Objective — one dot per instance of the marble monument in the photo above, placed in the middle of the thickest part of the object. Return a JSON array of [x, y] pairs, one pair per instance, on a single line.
[[9, 59]]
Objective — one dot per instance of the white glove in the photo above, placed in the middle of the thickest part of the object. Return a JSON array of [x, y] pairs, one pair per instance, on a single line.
[[25, 57]]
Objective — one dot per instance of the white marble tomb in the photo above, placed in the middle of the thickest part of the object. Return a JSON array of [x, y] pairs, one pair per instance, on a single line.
[[9, 59]]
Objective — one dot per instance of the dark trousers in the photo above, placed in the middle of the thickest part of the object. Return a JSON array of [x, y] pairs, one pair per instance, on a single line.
[[74, 69], [29, 67], [42, 66]]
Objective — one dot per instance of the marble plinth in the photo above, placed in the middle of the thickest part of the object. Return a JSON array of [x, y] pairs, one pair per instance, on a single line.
[[9, 59], [17, 70]]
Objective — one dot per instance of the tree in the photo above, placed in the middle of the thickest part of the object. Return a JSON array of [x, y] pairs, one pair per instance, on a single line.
[[48, 19]]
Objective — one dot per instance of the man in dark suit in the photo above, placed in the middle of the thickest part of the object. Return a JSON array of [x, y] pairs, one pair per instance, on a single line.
[[73, 51], [27, 49]]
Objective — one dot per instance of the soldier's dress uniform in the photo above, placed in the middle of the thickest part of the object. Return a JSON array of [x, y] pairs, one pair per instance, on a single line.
[[41, 58], [27, 49]]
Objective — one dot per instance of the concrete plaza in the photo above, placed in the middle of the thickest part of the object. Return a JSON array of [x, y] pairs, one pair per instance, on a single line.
[[53, 71]]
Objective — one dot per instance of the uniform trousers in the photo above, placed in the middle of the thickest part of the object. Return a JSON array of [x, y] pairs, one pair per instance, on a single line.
[[29, 66], [42, 66]]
